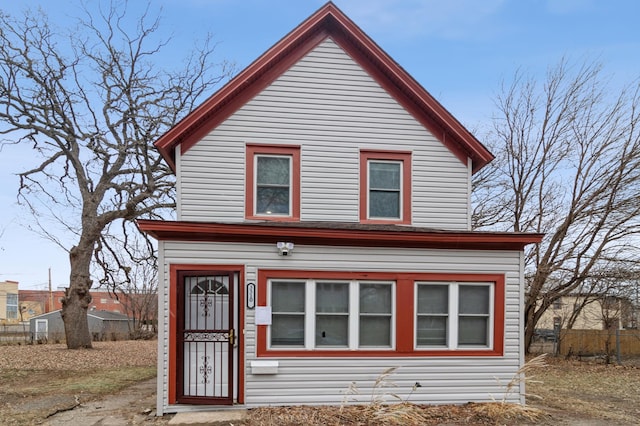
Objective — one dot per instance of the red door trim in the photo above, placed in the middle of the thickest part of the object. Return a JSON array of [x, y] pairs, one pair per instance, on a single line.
[[172, 352]]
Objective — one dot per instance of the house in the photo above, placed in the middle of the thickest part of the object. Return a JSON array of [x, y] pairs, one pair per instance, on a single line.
[[103, 325], [9, 302], [323, 235], [596, 312], [37, 302]]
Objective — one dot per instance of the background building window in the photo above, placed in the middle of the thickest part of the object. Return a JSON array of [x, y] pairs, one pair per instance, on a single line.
[[12, 306]]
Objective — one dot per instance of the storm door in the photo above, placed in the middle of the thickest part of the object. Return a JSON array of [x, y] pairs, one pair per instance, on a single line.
[[205, 337]]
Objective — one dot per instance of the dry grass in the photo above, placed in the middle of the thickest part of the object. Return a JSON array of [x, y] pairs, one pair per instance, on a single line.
[[397, 414], [38, 380], [574, 388]]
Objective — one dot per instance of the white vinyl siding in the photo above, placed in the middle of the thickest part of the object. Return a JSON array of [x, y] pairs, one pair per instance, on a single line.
[[330, 107], [318, 380]]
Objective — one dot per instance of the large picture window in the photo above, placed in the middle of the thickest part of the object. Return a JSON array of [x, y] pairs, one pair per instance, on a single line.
[[385, 187], [317, 314], [273, 182], [333, 313], [454, 315]]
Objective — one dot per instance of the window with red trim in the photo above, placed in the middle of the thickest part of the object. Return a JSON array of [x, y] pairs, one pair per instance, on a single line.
[[325, 313], [272, 182], [454, 315], [385, 187], [330, 314]]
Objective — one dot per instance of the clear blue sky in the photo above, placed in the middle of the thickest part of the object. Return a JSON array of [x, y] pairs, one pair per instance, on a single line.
[[459, 50]]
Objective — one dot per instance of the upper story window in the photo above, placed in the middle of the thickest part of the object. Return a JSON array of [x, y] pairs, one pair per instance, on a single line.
[[273, 182], [385, 187]]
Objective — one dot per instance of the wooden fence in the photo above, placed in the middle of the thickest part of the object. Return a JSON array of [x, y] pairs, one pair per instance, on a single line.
[[625, 343]]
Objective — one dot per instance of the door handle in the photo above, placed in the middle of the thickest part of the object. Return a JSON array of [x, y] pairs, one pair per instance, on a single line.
[[232, 337]]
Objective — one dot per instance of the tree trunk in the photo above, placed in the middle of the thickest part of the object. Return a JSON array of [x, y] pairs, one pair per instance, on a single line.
[[529, 327], [77, 298]]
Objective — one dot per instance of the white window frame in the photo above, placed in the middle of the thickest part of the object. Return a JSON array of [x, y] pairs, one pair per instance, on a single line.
[[453, 316], [16, 306], [255, 186], [354, 315], [400, 190]]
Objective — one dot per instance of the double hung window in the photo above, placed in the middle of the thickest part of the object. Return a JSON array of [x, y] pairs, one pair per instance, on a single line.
[[273, 182], [385, 187], [328, 314], [454, 315]]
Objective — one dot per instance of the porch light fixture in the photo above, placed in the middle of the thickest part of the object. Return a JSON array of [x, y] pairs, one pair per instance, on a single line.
[[284, 249]]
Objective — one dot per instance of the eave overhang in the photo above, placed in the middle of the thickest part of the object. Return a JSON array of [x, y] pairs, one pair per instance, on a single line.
[[336, 234]]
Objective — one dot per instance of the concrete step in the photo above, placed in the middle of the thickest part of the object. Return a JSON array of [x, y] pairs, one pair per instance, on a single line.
[[208, 417]]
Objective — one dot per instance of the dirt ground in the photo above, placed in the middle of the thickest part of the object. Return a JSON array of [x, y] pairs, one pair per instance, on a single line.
[[47, 384]]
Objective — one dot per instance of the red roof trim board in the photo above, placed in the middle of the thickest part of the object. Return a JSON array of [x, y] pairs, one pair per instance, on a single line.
[[338, 234], [328, 21]]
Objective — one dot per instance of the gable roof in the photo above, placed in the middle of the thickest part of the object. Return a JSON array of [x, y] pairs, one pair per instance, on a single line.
[[328, 21]]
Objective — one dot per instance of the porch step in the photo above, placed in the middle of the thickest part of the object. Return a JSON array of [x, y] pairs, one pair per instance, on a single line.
[[208, 417]]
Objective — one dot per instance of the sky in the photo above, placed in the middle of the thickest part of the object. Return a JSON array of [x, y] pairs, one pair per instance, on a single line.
[[458, 50]]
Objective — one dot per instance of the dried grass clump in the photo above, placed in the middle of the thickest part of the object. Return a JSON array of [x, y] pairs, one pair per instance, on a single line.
[[500, 413]]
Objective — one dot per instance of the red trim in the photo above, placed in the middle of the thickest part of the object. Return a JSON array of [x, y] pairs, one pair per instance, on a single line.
[[328, 21], [405, 322], [290, 150], [405, 158], [324, 234], [174, 269]]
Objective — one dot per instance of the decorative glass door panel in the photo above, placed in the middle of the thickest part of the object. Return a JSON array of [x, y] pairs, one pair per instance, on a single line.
[[205, 338]]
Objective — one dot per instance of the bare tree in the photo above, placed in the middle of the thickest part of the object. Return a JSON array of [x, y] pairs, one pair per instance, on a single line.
[[132, 277], [90, 102], [567, 165]]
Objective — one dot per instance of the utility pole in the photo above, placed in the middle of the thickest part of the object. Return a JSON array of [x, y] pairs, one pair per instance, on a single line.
[[50, 293]]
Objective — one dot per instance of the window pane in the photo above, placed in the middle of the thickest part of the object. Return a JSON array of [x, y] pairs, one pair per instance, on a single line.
[[384, 204], [287, 330], [375, 331], [270, 200], [433, 299], [384, 175], [273, 171], [287, 296], [332, 297], [375, 298], [432, 331], [12, 299], [474, 299], [473, 331], [332, 330]]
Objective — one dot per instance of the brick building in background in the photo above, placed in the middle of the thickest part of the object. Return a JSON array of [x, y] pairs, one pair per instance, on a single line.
[[36, 302]]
